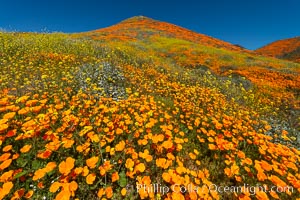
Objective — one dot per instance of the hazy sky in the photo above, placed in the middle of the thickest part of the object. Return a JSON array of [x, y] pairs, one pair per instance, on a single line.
[[250, 23]]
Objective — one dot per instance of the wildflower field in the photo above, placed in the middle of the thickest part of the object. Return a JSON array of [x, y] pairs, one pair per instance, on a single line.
[[86, 117]]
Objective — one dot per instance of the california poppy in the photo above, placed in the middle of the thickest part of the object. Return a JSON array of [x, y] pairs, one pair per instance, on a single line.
[[65, 167], [90, 179]]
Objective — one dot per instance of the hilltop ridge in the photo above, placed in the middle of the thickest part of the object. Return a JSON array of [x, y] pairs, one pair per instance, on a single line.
[[141, 27]]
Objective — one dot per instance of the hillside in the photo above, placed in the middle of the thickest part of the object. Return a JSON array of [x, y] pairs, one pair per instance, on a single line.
[[140, 28], [113, 113], [288, 49]]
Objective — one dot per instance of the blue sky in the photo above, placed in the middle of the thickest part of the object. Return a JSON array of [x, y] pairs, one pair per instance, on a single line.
[[250, 23]]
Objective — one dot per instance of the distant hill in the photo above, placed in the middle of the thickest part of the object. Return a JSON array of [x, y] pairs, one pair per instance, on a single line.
[[288, 49], [141, 27], [171, 45]]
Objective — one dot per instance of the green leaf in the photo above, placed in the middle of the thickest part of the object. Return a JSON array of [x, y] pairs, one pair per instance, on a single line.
[[21, 162], [36, 164], [20, 174], [51, 172], [122, 180]]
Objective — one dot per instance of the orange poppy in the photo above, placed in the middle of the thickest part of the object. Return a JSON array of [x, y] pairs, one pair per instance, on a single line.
[[24, 111], [85, 130], [90, 179], [233, 170], [100, 192], [15, 156], [4, 156], [277, 181], [157, 138], [192, 156], [129, 163], [109, 192], [92, 162], [261, 195], [105, 167], [18, 194], [50, 166], [142, 142], [212, 146], [247, 161], [274, 195], [170, 156], [6, 187], [119, 131], [5, 164], [115, 177], [261, 176], [7, 148], [65, 167], [180, 169], [11, 133], [266, 166], [78, 170], [64, 194], [25, 148], [31, 102], [163, 163], [166, 176], [6, 176], [3, 121], [177, 195], [120, 146], [44, 154], [9, 115], [241, 154], [67, 143], [36, 109], [40, 185], [140, 167], [167, 144], [29, 194], [54, 187], [146, 155], [73, 186], [38, 174]]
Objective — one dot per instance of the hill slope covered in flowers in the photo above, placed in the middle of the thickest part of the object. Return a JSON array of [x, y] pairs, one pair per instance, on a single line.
[[288, 49], [89, 116]]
